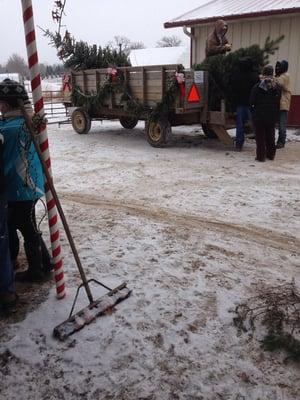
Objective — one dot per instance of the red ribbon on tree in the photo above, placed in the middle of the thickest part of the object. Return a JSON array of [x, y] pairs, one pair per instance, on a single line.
[[112, 72], [67, 83]]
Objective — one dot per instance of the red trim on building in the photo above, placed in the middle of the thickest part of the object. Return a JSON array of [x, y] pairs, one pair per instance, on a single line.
[[199, 21], [294, 113]]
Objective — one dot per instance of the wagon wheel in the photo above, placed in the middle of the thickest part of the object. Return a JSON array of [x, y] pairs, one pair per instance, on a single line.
[[81, 121], [128, 122], [158, 132], [208, 131]]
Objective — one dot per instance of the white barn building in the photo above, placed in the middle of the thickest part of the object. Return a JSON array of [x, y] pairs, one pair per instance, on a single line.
[[249, 22]]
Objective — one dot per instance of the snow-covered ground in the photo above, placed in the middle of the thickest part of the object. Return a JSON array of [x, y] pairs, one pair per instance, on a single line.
[[195, 229]]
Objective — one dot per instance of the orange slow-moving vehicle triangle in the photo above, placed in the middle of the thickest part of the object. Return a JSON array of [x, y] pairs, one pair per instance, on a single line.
[[194, 95]]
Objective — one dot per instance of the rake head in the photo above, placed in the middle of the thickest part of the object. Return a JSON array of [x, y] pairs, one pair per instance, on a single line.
[[95, 309]]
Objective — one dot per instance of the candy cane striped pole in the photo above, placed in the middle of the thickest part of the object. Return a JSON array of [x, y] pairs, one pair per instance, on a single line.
[[43, 142]]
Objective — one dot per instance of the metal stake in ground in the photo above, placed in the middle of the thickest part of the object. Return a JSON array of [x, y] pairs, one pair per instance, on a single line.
[[43, 143], [96, 307]]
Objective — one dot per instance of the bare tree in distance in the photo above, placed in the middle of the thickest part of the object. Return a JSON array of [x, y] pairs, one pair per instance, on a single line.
[[137, 45], [125, 45], [169, 41], [17, 64]]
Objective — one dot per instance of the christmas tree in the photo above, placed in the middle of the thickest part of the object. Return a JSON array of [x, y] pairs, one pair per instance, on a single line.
[[78, 55], [85, 56], [222, 67]]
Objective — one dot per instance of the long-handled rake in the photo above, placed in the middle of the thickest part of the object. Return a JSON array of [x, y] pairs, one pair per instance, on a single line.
[[98, 307]]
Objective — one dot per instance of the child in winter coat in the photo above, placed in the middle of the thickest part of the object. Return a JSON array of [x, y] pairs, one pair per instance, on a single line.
[[283, 80], [264, 103], [24, 180]]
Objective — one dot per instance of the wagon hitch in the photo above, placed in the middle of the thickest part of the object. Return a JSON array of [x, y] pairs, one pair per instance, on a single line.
[[98, 307]]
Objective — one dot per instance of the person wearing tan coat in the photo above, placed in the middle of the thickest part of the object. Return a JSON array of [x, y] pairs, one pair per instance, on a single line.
[[217, 42], [283, 80]]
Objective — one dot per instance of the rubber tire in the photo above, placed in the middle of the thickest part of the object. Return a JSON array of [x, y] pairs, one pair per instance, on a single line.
[[128, 122], [81, 121], [208, 132], [158, 133]]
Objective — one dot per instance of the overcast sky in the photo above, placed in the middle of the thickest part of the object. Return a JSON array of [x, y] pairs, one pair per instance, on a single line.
[[94, 21]]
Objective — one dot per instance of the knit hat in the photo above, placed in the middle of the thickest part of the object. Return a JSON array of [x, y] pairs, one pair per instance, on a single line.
[[268, 70], [12, 91], [284, 66]]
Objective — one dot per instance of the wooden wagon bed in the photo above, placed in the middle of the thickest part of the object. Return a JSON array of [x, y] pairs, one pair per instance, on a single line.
[[147, 86]]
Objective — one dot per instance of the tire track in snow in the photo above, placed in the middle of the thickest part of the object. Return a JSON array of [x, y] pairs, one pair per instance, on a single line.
[[260, 235]]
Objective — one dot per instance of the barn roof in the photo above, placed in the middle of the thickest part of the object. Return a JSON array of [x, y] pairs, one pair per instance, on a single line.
[[212, 10]]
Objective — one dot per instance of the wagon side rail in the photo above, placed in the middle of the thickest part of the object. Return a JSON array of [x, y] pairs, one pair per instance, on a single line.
[[147, 84]]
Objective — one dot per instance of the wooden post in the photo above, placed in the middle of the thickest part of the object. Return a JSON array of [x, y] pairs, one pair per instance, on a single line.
[[204, 112], [223, 107], [163, 81], [97, 79], [84, 81], [143, 72]]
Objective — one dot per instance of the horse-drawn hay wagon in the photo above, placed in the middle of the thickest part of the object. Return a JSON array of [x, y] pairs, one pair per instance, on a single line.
[[163, 96]]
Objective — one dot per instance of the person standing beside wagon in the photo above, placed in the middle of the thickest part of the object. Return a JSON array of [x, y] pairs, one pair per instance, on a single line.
[[283, 79], [265, 103], [242, 82]]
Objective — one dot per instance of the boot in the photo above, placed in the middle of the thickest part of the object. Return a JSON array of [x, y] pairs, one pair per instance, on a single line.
[[237, 146], [280, 145], [8, 299], [35, 272]]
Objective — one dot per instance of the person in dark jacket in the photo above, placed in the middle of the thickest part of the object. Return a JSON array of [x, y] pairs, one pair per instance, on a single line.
[[242, 81], [8, 295], [24, 181], [265, 104]]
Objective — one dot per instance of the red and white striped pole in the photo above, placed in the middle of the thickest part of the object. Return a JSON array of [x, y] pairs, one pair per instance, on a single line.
[[43, 142]]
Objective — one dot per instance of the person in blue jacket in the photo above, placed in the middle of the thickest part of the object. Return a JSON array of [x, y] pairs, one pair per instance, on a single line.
[[24, 181], [8, 295]]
